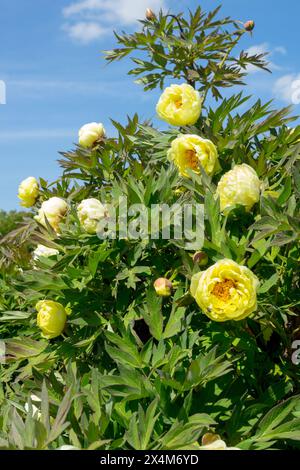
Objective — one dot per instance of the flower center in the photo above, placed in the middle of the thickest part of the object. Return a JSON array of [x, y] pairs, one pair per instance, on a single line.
[[222, 289], [191, 159], [178, 103]]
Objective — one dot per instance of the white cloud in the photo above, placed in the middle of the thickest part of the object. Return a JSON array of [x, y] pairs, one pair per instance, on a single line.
[[287, 88], [88, 20], [38, 87], [84, 31], [79, 7], [281, 50]]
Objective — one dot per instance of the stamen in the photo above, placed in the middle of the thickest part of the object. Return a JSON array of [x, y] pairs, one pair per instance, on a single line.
[[222, 289], [178, 103], [191, 159]]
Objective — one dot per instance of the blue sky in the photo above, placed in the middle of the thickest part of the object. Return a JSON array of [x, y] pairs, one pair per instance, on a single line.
[[56, 79]]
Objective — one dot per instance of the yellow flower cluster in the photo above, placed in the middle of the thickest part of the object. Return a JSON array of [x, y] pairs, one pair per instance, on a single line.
[[180, 105], [226, 290]]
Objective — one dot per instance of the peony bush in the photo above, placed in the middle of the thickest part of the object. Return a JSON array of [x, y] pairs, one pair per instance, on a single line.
[[145, 342]]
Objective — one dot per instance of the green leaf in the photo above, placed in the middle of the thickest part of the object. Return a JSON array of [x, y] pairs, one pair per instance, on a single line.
[[153, 314]]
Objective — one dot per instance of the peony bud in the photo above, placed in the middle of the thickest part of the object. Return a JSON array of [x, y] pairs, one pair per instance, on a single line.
[[200, 258], [239, 186], [163, 287], [54, 209], [44, 251], [51, 318], [90, 133], [28, 192], [249, 25], [150, 15], [90, 212], [209, 438]]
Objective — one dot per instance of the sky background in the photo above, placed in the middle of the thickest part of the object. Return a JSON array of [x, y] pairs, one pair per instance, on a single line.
[[56, 79]]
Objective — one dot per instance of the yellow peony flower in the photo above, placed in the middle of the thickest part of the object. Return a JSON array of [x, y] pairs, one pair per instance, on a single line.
[[51, 318], [90, 212], [163, 287], [240, 185], [179, 105], [225, 291], [190, 152], [28, 192], [90, 133], [54, 209]]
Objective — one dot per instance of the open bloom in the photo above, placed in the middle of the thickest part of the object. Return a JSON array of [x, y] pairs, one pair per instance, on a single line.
[[90, 212], [90, 133], [240, 185], [225, 291], [28, 192], [163, 287], [192, 152], [54, 210], [179, 105], [44, 251], [51, 318]]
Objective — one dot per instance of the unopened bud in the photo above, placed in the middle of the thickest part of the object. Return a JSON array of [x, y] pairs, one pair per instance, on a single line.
[[249, 25], [200, 258], [150, 15], [163, 287], [209, 438]]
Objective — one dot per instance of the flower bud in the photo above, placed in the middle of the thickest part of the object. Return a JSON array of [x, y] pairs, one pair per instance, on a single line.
[[200, 258], [249, 25], [51, 318], [54, 209], [163, 287], [44, 251], [150, 15], [90, 212], [90, 133], [28, 192], [209, 438], [239, 186]]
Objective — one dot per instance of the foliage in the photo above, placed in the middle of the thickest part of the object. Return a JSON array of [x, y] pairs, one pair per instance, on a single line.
[[131, 370], [9, 221]]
